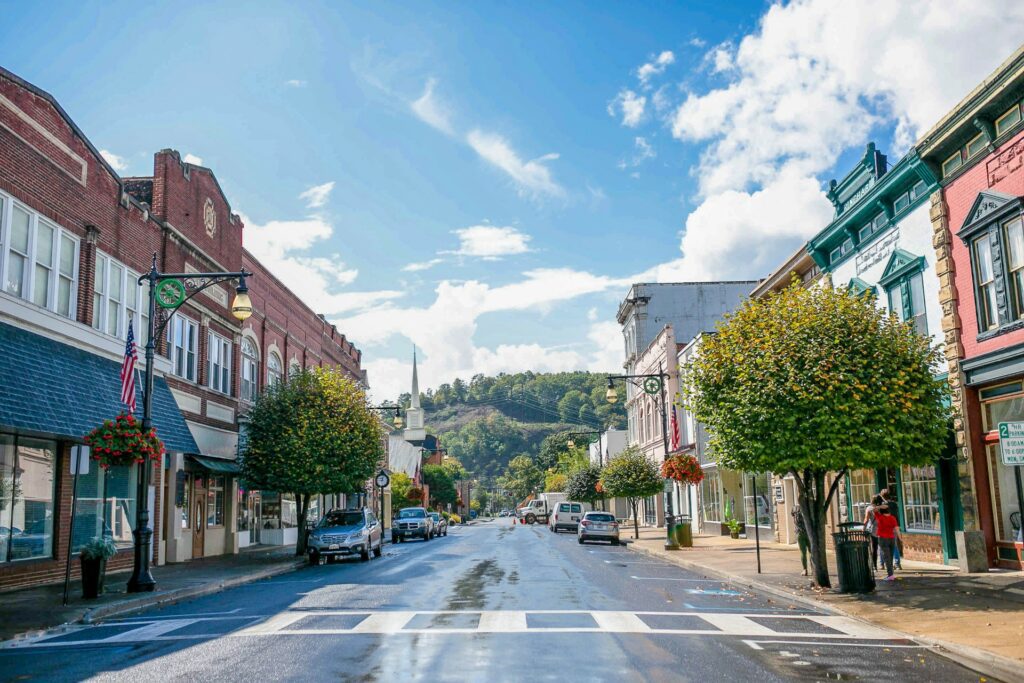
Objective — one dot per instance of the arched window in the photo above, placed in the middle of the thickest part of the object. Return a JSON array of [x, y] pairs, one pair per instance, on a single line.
[[275, 370], [294, 368], [250, 370], [643, 424]]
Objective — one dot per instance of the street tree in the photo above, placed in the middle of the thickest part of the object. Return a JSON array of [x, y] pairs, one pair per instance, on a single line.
[[632, 476], [522, 477], [817, 381], [582, 484], [401, 483], [442, 485], [555, 481], [313, 434]]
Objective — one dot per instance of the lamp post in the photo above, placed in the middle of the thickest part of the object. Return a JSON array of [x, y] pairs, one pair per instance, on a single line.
[[397, 410], [167, 293], [572, 444], [652, 385]]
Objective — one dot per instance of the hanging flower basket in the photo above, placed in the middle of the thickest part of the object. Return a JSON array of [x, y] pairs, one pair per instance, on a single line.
[[682, 468], [598, 487], [121, 441]]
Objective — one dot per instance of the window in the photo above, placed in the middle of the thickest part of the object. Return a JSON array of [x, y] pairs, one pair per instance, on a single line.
[[920, 499], [976, 145], [26, 497], [1013, 234], [250, 370], [918, 189], [117, 298], [1008, 120], [952, 163], [834, 255], [274, 369], [106, 504], [215, 502], [218, 366], [846, 247], [186, 503], [861, 489], [906, 300], [294, 369], [864, 233], [901, 203], [40, 259], [183, 339], [985, 281], [711, 496]]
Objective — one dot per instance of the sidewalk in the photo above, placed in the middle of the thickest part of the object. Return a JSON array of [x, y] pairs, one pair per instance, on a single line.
[[31, 610], [974, 616]]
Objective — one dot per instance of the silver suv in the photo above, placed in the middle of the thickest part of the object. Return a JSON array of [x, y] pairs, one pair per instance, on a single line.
[[345, 533], [412, 523]]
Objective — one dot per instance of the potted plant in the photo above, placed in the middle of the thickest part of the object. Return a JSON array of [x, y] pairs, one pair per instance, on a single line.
[[735, 527], [93, 556], [685, 469], [121, 441]]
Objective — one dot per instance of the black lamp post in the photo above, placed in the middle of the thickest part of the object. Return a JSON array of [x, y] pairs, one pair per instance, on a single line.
[[652, 385], [167, 293], [397, 410], [572, 444]]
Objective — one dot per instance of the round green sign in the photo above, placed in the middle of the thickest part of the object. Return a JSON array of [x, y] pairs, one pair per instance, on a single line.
[[169, 293], [652, 385]]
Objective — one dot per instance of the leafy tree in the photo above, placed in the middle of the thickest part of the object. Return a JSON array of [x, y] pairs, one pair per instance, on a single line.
[[555, 481], [552, 448], [569, 405], [632, 476], [817, 381], [400, 486], [582, 484], [522, 477], [313, 434], [441, 483]]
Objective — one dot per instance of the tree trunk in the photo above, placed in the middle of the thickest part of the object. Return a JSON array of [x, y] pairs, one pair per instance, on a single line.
[[634, 503], [300, 543], [811, 498]]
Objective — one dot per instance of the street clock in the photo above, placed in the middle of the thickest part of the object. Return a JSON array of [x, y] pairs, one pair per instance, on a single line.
[[382, 480]]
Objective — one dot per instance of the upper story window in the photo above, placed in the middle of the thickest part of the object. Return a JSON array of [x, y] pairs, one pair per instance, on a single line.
[[985, 284], [1010, 118], [38, 260], [275, 370], [218, 363], [294, 369], [994, 231], [117, 298], [250, 370], [183, 345], [973, 148], [904, 282]]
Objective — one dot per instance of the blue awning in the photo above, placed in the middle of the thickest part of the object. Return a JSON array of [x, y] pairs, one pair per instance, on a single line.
[[50, 388]]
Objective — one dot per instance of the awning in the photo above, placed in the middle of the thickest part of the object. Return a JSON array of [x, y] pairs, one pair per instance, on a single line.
[[217, 465], [53, 389]]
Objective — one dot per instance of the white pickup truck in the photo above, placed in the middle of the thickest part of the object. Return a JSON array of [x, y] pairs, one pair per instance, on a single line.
[[540, 508]]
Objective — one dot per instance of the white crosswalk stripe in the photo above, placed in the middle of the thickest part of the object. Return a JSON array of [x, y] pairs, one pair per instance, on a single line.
[[291, 623]]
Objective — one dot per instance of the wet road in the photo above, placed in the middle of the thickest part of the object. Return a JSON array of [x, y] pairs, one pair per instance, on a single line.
[[488, 603]]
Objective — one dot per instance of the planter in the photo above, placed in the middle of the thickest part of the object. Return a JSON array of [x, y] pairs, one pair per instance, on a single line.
[[734, 534], [92, 577]]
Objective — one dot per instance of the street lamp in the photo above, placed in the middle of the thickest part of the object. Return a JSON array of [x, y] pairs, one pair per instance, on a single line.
[[397, 410], [571, 443], [167, 293], [652, 385]]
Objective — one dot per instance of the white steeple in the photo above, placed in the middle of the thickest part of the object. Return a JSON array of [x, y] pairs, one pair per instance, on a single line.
[[414, 430]]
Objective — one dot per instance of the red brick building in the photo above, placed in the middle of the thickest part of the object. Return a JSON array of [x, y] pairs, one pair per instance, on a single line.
[[74, 238]]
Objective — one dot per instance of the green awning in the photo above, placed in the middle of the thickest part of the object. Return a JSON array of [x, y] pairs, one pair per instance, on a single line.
[[217, 465]]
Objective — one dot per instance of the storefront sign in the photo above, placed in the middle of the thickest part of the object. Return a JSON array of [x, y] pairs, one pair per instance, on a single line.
[[779, 495], [1011, 442]]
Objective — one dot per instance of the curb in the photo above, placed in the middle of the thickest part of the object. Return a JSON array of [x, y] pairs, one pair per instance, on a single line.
[[981, 661]]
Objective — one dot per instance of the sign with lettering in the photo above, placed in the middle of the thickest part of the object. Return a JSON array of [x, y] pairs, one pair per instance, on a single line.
[[1011, 442], [780, 497]]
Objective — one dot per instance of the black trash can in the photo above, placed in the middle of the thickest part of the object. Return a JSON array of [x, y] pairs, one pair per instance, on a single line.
[[853, 559], [683, 531]]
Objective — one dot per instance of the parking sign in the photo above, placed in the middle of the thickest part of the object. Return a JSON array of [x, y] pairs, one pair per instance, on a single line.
[[1011, 442]]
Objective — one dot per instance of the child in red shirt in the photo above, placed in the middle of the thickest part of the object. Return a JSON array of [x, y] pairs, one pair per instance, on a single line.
[[888, 530]]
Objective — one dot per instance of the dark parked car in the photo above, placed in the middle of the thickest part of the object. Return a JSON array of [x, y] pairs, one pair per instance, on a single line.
[[346, 533], [412, 523], [440, 524]]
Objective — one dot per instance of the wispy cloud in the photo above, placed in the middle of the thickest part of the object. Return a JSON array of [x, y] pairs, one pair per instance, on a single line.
[[429, 108], [655, 67], [296, 83], [118, 163], [491, 242], [317, 195], [630, 106], [192, 159], [422, 265], [642, 151], [532, 178]]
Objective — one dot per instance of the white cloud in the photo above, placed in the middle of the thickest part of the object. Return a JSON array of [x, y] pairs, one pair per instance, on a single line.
[[192, 159], [605, 338], [317, 195], [422, 265], [431, 110], [655, 67], [642, 151], [630, 106], [697, 42], [532, 178], [296, 83], [118, 163], [491, 242]]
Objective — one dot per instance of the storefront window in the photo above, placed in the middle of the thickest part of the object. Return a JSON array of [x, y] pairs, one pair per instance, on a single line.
[[242, 508], [215, 502], [105, 505], [26, 495], [764, 515], [1004, 492], [186, 507], [120, 488], [279, 511], [710, 496], [920, 499], [862, 488], [6, 492]]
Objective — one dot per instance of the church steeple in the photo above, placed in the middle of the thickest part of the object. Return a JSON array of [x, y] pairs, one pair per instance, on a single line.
[[414, 430], [415, 383]]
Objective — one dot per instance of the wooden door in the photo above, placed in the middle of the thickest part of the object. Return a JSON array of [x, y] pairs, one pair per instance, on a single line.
[[198, 515]]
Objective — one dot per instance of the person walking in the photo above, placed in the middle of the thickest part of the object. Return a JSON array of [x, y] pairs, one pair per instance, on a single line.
[[888, 531], [802, 541], [871, 526]]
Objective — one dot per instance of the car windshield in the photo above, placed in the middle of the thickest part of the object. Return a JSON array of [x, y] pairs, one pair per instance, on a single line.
[[601, 517], [411, 513], [342, 518], [435, 515]]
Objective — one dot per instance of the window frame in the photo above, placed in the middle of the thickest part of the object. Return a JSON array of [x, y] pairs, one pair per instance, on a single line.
[[218, 363], [899, 282], [7, 514], [968, 154], [250, 364], [1015, 109], [139, 315], [958, 158], [990, 231], [215, 494], [172, 328], [904, 499], [274, 375]]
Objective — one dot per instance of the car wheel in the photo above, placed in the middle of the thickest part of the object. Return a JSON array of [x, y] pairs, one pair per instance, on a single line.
[[579, 539], [531, 519], [314, 559], [364, 556], [379, 550]]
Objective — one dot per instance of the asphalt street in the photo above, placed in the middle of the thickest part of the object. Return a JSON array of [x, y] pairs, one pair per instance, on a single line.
[[490, 602]]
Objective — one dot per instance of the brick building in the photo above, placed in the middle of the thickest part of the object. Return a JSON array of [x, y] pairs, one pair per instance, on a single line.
[[74, 237]]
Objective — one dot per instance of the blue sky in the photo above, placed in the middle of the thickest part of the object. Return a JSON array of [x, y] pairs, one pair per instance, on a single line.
[[484, 180]]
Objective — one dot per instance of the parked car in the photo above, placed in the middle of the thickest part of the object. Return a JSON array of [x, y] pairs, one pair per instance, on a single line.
[[598, 526], [506, 513], [412, 523], [566, 516], [345, 533], [440, 524], [540, 508]]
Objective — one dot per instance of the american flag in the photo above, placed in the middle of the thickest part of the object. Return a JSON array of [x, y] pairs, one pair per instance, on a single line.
[[128, 371], [676, 438]]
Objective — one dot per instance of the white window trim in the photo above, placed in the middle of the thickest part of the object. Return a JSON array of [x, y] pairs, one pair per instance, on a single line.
[[271, 380], [222, 345], [141, 310], [188, 322], [28, 283], [248, 360]]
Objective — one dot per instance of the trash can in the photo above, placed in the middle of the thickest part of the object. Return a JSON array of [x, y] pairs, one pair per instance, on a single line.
[[853, 559], [683, 532]]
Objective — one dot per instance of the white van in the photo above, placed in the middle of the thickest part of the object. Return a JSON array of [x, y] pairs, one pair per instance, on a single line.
[[540, 508], [567, 515]]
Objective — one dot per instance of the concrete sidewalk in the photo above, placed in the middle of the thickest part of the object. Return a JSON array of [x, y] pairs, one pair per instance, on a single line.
[[29, 611], [978, 618]]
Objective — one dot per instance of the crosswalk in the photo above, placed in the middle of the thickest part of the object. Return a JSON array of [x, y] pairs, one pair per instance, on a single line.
[[400, 622]]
